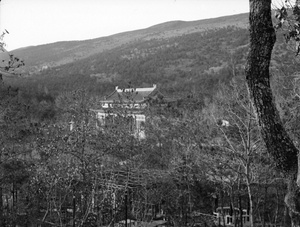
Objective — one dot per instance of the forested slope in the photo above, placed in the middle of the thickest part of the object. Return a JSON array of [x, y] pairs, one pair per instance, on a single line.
[[176, 64], [194, 157]]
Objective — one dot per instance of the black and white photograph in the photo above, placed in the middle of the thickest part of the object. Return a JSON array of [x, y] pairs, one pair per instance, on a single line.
[[149, 113]]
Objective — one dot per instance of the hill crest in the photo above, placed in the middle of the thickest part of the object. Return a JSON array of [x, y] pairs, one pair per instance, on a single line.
[[38, 58]]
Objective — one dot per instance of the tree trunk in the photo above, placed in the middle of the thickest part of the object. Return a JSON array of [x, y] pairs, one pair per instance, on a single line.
[[1, 206], [277, 207], [222, 206], [241, 211], [250, 197], [278, 143], [264, 205]]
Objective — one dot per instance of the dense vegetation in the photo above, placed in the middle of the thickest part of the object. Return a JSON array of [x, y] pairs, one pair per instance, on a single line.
[[196, 61], [191, 161], [175, 64], [188, 164]]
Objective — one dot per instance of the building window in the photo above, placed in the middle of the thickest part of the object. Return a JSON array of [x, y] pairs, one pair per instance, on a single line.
[[229, 220]]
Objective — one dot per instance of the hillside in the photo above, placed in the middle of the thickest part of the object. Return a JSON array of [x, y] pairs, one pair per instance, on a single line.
[[180, 57], [60, 53], [176, 64]]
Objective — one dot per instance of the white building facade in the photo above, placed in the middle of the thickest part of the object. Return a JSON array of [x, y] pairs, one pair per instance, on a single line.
[[130, 103]]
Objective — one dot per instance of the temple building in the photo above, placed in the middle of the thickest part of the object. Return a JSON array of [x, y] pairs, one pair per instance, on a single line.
[[130, 103]]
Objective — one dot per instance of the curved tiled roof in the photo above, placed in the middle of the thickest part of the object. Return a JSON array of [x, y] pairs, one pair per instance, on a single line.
[[131, 94]]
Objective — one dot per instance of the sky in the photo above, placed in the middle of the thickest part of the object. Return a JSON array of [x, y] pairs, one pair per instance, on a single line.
[[36, 22]]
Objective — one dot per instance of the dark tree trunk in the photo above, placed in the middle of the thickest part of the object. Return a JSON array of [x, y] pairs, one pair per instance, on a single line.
[[1, 207], [278, 143], [241, 211], [264, 206]]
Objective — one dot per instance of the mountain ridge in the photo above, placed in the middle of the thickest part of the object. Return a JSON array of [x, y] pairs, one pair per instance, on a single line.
[[38, 58], [180, 57]]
